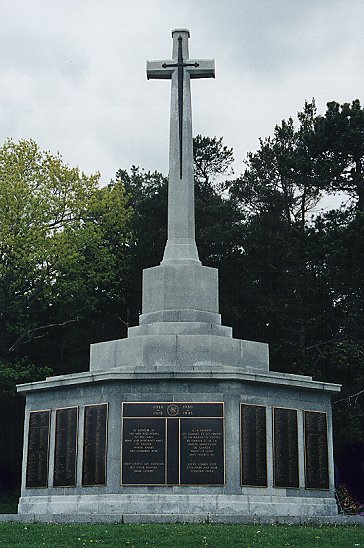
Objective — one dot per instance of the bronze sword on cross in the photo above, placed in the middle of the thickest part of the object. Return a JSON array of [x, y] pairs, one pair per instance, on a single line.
[[196, 69], [180, 66], [180, 69]]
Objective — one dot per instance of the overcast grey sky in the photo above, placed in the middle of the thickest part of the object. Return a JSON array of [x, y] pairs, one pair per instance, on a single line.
[[72, 72]]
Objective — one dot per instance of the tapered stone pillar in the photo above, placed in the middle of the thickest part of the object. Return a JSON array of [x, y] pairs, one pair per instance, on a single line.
[[180, 289]]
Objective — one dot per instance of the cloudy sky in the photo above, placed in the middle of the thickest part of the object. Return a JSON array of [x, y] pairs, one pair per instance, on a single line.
[[72, 72]]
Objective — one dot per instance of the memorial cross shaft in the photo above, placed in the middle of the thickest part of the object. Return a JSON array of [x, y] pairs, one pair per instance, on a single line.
[[181, 209]]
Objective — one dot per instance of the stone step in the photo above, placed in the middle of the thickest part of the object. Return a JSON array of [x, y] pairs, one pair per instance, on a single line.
[[180, 328]]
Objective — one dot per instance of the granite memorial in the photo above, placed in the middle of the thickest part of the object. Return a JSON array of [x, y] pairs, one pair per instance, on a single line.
[[179, 421]]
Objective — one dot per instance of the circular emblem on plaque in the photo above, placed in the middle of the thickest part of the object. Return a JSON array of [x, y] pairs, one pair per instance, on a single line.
[[173, 410]]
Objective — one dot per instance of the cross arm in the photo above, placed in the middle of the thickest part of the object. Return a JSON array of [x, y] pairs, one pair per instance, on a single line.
[[205, 68], [155, 69]]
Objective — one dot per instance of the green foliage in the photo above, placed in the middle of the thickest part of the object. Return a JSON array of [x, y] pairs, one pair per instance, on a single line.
[[19, 372], [211, 159], [62, 244], [339, 139], [282, 175]]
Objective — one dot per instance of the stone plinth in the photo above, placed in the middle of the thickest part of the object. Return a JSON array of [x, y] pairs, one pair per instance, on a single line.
[[180, 286], [231, 387]]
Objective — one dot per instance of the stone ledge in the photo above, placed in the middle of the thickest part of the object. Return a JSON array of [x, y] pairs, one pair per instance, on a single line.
[[166, 374], [179, 351], [180, 328], [176, 505], [182, 518], [184, 316]]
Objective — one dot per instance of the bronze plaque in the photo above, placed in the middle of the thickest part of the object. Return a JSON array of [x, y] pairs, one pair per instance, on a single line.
[[65, 451], [143, 452], [38, 449], [285, 447], [173, 443], [316, 451], [253, 445], [94, 445], [202, 451]]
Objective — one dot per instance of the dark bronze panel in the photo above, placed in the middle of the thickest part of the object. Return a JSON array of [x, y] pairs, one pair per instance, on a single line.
[[94, 445], [253, 445], [65, 451], [173, 409], [316, 451], [285, 448], [143, 452], [173, 451], [38, 449], [202, 452]]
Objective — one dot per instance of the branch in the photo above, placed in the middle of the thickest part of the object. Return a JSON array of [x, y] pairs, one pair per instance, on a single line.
[[348, 398], [26, 337], [323, 343], [126, 323]]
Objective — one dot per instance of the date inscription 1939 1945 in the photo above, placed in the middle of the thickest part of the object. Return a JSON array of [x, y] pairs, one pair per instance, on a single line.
[[171, 443]]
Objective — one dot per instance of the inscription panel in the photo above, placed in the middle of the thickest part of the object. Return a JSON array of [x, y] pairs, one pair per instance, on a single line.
[[94, 445], [38, 449], [65, 451], [143, 452], [285, 435], [316, 450], [202, 452], [253, 445], [173, 443]]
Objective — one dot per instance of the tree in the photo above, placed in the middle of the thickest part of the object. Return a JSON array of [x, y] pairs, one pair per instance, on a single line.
[[211, 160], [339, 139], [282, 174], [278, 190], [60, 239]]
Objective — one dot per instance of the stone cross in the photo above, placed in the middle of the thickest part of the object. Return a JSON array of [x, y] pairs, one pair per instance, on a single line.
[[181, 208]]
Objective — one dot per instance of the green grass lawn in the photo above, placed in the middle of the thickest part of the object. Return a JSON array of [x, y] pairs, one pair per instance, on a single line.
[[174, 536]]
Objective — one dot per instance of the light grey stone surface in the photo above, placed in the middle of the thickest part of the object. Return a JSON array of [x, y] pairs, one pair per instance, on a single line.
[[181, 210], [180, 285], [169, 375], [180, 328], [178, 505], [179, 350]]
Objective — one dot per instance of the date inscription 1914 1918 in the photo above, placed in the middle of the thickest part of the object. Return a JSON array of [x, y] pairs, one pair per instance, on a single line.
[[173, 444], [316, 451], [38, 449]]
